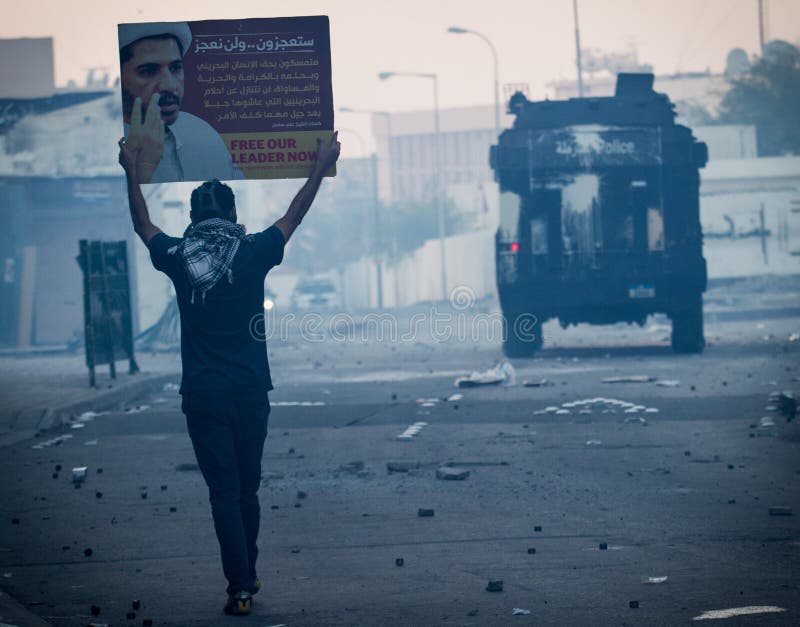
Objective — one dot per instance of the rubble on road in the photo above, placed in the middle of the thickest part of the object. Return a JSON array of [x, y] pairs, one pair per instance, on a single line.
[[425, 513], [654, 580], [495, 586], [447, 473], [787, 405], [79, 475], [634, 378], [541, 383], [780, 511], [402, 466], [501, 373]]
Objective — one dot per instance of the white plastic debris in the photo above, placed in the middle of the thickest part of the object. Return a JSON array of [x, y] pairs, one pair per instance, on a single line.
[[668, 383], [593, 443], [518, 611], [654, 580]]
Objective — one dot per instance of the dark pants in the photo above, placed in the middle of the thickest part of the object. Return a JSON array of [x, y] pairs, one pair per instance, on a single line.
[[228, 433]]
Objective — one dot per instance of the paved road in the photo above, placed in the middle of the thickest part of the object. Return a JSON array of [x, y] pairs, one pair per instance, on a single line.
[[683, 492]]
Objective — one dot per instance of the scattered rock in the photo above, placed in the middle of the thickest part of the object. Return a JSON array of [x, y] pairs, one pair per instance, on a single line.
[[136, 604], [635, 378], [537, 528], [401, 466], [603, 546], [353, 467], [173, 509], [787, 405], [425, 513], [780, 511], [633, 605], [495, 586], [88, 552], [130, 615], [94, 610], [447, 473], [301, 494], [79, 475], [531, 551], [472, 613], [541, 383], [399, 561], [187, 467]]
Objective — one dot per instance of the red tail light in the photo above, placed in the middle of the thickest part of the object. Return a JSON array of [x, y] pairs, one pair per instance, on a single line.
[[514, 247]]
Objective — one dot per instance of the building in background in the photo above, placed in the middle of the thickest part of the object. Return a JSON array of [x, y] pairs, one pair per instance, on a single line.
[[26, 68]]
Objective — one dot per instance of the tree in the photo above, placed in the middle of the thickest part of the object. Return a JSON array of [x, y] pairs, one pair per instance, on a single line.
[[768, 96], [409, 223]]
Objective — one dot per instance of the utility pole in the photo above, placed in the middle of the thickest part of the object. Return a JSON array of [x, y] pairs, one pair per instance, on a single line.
[[761, 25], [578, 48]]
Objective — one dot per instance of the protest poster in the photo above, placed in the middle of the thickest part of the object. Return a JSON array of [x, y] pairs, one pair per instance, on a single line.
[[238, 98]]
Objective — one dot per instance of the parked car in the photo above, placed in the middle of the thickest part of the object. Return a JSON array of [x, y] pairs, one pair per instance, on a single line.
[[313, 294], [270, 299]]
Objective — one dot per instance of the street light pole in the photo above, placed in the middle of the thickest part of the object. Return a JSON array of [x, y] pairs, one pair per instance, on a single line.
[[437, 168], [377, 238], [458, 31], [578, 48], [366, 231]]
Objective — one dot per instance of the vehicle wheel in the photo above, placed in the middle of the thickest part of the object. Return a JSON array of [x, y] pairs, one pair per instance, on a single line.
[[522, 335], [687, 327]]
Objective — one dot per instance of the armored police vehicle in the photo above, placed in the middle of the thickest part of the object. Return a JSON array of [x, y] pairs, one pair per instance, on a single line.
[[602, 223]]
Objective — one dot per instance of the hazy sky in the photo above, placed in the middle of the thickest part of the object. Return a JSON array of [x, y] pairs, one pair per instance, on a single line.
[[534, 40]]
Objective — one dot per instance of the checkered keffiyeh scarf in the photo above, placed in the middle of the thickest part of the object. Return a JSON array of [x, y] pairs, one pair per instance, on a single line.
[[207, 251]]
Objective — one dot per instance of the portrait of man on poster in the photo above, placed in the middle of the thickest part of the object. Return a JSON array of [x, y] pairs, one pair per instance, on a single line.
[[173, 145]]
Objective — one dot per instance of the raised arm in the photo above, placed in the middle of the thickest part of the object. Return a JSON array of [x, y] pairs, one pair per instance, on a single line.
[[140, 217], [327, 154]]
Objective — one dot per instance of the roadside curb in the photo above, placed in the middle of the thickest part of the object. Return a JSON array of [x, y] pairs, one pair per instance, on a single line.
[[35, 422], [12, 613]]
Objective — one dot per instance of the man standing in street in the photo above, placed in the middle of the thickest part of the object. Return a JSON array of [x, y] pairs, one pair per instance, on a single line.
[[181, 147], [218, 273]]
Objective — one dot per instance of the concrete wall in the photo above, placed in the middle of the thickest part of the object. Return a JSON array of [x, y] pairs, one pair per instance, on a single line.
[[416, 277]]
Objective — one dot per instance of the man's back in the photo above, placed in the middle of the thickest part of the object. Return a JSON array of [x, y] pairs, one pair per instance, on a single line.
[[221, 348]]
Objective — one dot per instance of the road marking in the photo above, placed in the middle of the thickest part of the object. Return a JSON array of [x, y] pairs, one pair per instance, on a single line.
[[412, 431], [297, 403], [739, 611]]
